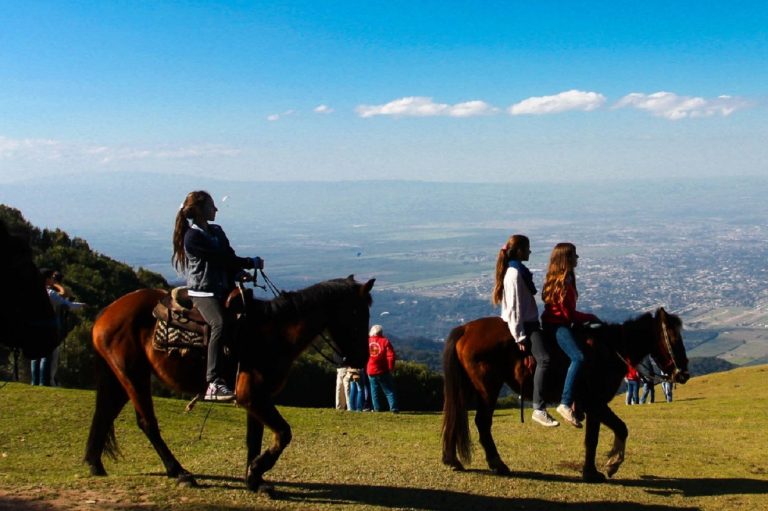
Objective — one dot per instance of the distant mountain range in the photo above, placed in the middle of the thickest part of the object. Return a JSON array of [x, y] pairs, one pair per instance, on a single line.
[[698, 248]]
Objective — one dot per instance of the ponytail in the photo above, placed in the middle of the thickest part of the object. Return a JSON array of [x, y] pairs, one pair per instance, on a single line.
[[512, 249], [192, 208]]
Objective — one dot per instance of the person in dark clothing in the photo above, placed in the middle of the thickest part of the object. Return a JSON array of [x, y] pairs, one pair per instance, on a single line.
[[202, 251], [648, 377]]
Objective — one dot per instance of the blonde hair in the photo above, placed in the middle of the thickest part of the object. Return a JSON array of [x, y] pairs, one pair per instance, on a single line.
[[512, 249], [559, 270]]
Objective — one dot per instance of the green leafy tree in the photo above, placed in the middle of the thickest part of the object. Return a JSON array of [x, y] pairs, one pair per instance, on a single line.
[[92, 278]]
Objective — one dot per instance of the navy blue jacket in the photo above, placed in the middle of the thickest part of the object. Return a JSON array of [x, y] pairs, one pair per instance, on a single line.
[[212, 263]]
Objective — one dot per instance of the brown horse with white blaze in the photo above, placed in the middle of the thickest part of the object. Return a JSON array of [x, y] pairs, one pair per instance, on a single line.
[[270, 335], [481, 356]]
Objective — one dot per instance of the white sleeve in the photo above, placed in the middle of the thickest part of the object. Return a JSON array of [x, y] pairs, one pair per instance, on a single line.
[[511, 306], [59, 301]]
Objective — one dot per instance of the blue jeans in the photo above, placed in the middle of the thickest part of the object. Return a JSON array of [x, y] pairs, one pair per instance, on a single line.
[[41, 372], [648, 388], [387, 385], [633, 389], [667, 387], [572, 349], [356, 396]]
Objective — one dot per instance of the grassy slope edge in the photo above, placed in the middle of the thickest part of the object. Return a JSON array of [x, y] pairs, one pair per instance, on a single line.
[[706, 450]]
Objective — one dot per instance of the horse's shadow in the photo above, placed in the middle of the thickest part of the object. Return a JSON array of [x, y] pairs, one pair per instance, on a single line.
[[446, 499]]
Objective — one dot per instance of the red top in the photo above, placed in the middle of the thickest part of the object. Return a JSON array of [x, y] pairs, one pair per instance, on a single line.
[[564, 312], [382, 356], [632, 373]]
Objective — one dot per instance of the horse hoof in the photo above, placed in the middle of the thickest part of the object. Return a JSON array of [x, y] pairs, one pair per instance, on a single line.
[[98, 471], [266, 489], [592, 476], [186, 480], [611, 469], [455, 465], [501, 470]]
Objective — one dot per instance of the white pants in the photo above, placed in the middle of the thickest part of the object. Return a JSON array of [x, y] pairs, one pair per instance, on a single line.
[[342, 388]]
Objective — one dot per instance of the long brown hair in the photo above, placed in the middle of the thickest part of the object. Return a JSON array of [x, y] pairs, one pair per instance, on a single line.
[[192, 208], [513, 249], [559, 270]]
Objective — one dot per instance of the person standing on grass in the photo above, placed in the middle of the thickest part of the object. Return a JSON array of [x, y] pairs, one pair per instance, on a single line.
[[515, 291], [632, 379], [381, 364]]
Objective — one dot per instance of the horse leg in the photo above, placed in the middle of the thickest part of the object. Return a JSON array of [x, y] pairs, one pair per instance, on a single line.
[[253, 438], [484, 422], [137, 386], [589, 472], [110, 399], [265, 413], [141, 397], [620, 434]]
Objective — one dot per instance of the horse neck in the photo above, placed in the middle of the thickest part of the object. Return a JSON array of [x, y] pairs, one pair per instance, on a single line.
[[637, 337], [299, 332]]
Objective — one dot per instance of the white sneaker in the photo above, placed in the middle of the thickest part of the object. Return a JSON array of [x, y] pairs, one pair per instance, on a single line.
[[567, 414], [543, 418], [218, 392]]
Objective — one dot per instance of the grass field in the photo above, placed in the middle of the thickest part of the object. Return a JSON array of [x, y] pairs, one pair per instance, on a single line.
[[707, 450]]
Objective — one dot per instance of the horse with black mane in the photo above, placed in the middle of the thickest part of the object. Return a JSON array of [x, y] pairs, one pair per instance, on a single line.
[[481, 356], [270, 335], [26, 315]]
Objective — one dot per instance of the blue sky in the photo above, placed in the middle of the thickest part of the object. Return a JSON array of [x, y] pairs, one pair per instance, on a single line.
[[430, 90]]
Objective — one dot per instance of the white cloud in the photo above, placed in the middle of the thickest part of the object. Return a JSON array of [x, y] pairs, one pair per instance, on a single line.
[[563, 102], [673, 107], [277, 117], [419, 106], [323, 109], [29, 148], [44, 149], [108, 155]]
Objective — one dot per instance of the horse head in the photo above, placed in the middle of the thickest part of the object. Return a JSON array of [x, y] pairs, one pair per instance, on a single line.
[[347, 322], [27, 319], [669, 351]]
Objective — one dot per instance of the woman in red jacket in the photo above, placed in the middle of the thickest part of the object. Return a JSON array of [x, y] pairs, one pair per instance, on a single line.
[[560, 314], [381, 363]]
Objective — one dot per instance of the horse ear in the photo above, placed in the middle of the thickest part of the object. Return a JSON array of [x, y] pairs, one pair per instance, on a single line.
[[369, 285], [351, 277]]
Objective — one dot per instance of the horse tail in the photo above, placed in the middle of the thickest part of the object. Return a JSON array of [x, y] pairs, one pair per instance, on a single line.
[[455, 430], [110, 397]]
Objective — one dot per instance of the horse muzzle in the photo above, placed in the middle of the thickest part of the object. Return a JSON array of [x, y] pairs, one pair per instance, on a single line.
[[681, 377]]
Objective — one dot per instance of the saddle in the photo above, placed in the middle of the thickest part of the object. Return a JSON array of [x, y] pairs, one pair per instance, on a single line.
[[180, 328]]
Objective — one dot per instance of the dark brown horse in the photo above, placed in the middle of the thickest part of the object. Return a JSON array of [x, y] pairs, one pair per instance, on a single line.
[[270, 336], [27, 320], [481, 356]]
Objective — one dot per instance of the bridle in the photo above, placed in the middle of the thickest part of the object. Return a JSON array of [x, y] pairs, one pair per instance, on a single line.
[[668, 346]]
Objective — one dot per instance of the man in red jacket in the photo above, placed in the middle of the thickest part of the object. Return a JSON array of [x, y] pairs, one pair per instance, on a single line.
[[381, 363]]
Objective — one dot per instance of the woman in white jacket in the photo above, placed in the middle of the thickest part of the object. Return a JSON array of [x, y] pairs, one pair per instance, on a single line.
[[515, 291]]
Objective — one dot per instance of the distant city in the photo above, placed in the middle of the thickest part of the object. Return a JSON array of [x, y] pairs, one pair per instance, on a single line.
[[698, 249]]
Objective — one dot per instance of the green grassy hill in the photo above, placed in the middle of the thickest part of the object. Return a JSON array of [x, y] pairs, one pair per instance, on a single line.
[[706, 451]]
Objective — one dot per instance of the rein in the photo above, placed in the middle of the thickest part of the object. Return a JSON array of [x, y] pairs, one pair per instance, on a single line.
[[268, 284], [668, 345]]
